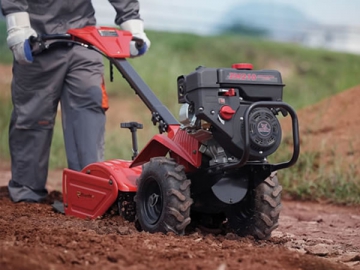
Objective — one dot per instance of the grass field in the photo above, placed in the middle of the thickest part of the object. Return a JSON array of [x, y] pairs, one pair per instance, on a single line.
[[310, 75]]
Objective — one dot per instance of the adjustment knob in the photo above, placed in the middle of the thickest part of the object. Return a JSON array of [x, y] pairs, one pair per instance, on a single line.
[[226, 112]]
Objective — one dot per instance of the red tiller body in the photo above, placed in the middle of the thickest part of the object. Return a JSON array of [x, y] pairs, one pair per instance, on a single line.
[[228, 129], [91, 192]]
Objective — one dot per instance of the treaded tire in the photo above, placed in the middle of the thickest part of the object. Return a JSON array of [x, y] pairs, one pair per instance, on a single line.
[[258, 214], [163, 197]]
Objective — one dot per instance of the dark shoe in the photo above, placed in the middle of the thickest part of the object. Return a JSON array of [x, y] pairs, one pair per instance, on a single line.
[[19, 193]]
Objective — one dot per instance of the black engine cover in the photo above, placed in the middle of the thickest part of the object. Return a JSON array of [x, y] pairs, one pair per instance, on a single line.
[[265, 131], [205, 89]]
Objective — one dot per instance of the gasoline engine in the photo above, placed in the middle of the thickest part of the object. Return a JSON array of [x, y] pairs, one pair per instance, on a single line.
[[213, 111]]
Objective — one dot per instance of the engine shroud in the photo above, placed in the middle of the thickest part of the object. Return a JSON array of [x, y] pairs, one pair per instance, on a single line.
[[220, 97]]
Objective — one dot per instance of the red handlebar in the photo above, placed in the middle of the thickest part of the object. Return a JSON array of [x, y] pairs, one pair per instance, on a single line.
[[111, 42]]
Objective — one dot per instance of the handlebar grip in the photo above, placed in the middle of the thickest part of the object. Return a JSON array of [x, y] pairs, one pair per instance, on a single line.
[[38, 43], [46, 37], [33, 39], [138, 42]]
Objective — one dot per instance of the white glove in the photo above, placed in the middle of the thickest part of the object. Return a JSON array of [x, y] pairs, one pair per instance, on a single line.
[[19, 30], [136, 27]]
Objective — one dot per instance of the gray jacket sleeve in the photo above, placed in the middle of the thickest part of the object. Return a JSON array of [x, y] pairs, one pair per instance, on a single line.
[[125, 10], [11, 6]]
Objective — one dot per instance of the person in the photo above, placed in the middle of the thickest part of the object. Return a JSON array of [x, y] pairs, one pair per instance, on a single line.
[[71, 75]]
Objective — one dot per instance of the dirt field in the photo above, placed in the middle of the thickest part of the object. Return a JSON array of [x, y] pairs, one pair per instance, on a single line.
[[310, 235], [332, 127]]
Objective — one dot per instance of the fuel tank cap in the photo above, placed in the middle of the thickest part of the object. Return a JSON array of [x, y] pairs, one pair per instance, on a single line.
[[242, 66]]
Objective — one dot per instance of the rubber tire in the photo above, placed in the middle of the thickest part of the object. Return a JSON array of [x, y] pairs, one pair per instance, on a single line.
[[259, 214], [171, 210]]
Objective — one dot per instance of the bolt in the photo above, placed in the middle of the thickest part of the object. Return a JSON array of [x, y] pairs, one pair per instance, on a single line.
[[241, 118], [261, 152], [201, 109], [194, 152], [66, 205], [212, 112], [110, 182], [230, 200], [88, 171]]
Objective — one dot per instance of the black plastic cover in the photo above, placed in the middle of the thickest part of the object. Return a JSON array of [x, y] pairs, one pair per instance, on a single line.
[[253, 85]]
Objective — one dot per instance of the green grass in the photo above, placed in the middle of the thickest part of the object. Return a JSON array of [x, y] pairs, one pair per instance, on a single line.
[[320, 177], [340, 185], [310, 76], [5, 112], [5, 54]]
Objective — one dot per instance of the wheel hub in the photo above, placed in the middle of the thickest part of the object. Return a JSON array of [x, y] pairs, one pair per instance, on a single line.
[[153, 199]]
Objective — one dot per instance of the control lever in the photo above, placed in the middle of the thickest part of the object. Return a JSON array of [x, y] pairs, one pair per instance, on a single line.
[[133, 126]]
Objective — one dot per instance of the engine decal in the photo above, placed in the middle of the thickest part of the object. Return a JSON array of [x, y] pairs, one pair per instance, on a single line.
[[264, 128], [107, 33], [242, 76]]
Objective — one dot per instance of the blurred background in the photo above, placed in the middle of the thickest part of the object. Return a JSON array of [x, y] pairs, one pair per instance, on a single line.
[[334, 25]]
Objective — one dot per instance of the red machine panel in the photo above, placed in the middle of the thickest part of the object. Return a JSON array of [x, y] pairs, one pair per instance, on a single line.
[[118, 170], [87, 196], [111, 41], [91, 192], [183, 147]]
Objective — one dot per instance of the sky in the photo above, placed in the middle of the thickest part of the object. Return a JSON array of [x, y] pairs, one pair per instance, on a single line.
[[201, 16], [329, 12]]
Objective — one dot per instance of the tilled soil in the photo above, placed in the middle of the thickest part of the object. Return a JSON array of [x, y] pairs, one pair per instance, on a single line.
[[310, 236]]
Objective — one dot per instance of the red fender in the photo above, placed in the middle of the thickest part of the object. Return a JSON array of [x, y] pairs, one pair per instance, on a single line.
[[118, 170], [182, 147], [91, 192]]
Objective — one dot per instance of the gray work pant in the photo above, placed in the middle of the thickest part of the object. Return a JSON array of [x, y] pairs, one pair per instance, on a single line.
[[73, 76]]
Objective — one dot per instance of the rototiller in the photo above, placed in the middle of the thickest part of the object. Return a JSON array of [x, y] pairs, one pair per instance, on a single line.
[[209, 168]]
